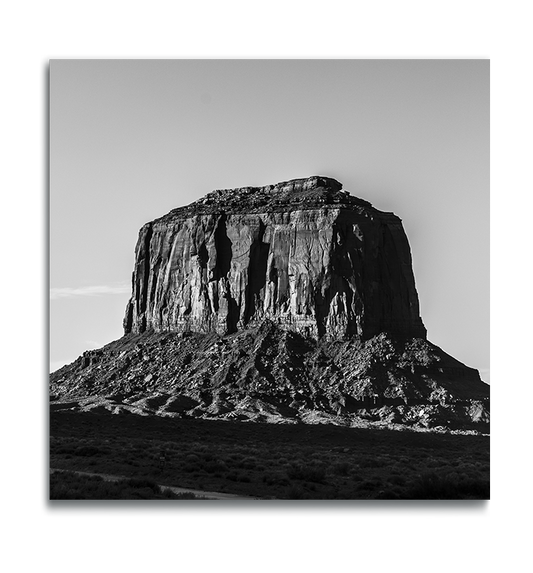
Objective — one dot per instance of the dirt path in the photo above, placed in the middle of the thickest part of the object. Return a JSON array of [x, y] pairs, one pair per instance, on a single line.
[[199, 492]]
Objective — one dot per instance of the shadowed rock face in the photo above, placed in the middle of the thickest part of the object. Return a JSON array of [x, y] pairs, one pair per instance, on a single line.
[[303, 254]]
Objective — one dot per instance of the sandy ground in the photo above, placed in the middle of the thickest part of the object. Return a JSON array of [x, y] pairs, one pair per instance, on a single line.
[[205, 494]]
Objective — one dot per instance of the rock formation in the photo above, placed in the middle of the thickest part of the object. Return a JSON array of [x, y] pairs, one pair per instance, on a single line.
[[287, 303], [303, 254]]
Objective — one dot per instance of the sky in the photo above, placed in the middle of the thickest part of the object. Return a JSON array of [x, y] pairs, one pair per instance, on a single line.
[[132, 139]]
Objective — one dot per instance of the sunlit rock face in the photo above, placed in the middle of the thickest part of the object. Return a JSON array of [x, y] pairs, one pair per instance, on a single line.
[[303, 254]]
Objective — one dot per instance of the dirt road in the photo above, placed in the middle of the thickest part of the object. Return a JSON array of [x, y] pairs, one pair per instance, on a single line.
[[204, 494]]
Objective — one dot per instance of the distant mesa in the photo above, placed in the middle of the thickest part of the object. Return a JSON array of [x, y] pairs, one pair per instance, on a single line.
[[293, 302], [303, 253]]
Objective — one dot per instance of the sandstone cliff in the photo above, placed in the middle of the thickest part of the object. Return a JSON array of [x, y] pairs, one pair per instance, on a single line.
[[290, 303], [304, 254]]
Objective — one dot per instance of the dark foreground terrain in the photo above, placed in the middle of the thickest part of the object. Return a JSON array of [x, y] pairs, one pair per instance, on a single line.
[[272, 461], [74, 486]]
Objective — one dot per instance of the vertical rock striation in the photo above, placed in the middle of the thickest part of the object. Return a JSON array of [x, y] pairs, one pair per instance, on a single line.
[[303, 254]]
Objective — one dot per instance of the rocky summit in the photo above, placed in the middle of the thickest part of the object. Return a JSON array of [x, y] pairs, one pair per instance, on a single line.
[[294, 302]]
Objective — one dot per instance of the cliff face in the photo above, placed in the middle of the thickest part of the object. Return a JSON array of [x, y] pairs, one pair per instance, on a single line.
[[303, 254]]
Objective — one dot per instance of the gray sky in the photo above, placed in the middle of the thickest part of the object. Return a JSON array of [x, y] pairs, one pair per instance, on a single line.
[[132, 139]]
